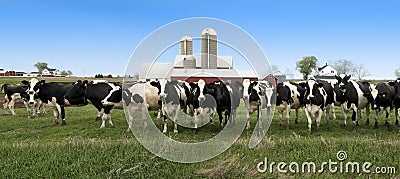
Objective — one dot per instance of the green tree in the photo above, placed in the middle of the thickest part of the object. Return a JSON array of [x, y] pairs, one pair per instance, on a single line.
[[307, 65], [397, 73], [41, 66], [64, 73]]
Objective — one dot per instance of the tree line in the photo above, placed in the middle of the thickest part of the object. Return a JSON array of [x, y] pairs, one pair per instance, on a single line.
[[43, 65], [308, 64]]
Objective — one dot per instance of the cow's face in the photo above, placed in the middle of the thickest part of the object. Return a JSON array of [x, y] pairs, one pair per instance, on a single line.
[[264, 90], [33, 89], [218, 88], [246, 85], [77, 93], [313, 89], [161, 87], [201, 83], [343, 80]]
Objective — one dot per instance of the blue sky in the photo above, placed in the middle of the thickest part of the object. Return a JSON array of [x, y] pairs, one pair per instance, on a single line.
[[90, 37]]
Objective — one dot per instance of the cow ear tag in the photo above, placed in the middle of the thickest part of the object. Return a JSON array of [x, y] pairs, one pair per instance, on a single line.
[[383, 95], [277, 94]]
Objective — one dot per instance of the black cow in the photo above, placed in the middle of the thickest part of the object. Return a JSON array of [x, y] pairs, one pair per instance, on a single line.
[[352, 96], [51, 94], [289, 96], [396, 100], [83, 93], [382, 96], [223, 98], [318, 97]]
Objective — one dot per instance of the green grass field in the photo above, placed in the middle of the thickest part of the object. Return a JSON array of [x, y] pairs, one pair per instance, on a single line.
[[36, 148]]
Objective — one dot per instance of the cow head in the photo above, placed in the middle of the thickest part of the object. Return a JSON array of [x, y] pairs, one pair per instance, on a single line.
[[77, 93], [201, 84], [33, 88], [314, 92], [217, 89], [264, 89], [343, 80], [246, 85]]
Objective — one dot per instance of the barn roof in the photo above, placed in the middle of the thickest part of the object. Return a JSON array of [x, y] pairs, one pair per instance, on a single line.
[[155, 70]]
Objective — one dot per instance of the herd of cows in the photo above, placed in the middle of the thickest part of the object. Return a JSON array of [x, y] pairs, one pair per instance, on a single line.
[[202, 100]]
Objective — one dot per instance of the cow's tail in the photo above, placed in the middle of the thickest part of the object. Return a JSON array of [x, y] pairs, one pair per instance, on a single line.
[[3, 86]]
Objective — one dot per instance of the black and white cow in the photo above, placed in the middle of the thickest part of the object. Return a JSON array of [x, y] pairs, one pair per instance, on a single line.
[[138, 97], [51, 94], [258, 95], [201, 103], [85, 92], [172, 96], [289, 96], [318, 97], [352, 96], [382, 96], [396, 100], [13, 93]]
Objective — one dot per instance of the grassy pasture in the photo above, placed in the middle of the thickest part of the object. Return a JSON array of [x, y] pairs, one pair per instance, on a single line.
[[33, 148]]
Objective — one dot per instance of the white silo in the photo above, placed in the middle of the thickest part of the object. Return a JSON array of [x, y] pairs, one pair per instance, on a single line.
[[209, 49], [186, 45], [189, 62]]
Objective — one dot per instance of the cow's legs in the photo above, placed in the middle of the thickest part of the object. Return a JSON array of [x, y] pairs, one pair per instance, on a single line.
[[165, 123], [344, 111], [367, 112], [27, 109], [297, 116], [287, 116], [333, 111], [354, 119], [309, 120], [328, 111], [389, 128], [5, 104], [177, 109], [319, 116], [196, 120], [219, 111], [247, 106], [376, 118], [280, 113], [56, 114], [259, 120], [11, 105], [397, 111]]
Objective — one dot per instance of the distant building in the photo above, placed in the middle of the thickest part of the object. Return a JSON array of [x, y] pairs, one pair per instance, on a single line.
[[155, 71], [207, 65], [326, 73], [51, 72], [2, 72]]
